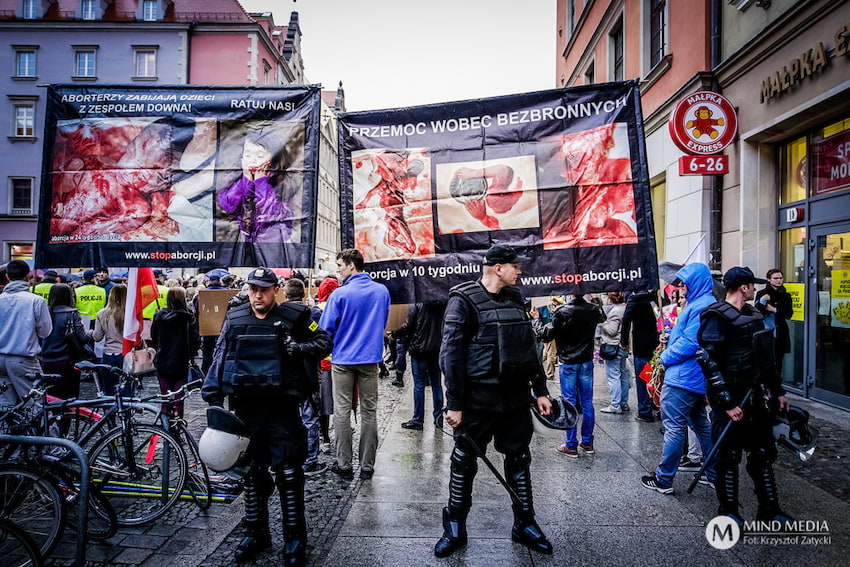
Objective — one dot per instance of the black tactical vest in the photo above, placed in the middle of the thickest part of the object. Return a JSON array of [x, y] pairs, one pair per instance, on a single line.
[[747, 351], [503, 345], [255, 363]]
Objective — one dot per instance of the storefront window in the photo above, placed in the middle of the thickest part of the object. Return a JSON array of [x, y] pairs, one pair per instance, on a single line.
[[833, 313], [830, 159], [792, 260], [793, 158], [659, 215]]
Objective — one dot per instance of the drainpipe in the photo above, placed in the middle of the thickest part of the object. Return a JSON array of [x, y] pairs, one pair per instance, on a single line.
[[189, 52], [715, 222]]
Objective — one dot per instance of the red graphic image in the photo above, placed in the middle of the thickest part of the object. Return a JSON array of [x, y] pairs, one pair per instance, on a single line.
[[704, 124], [392, 204], [599, 206]]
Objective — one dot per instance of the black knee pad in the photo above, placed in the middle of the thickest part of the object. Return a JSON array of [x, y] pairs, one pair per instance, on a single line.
[[464, 461], [518, 461], [761, 457], [729, 457]]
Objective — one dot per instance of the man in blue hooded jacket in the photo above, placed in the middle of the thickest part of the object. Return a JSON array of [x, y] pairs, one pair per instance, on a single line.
[[683, 396]]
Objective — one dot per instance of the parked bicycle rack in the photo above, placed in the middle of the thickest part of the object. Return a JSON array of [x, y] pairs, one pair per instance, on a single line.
[[85, 478]]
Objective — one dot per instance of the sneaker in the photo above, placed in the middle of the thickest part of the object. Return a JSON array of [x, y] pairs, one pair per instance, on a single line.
[[651, 483], [325, 448], [706, 482], [398, 383], [412, 425], [344, 474], [687, 465], [314, 469], [366, 475], [564, 450], [587, 447], [625, 408], [611, 409]]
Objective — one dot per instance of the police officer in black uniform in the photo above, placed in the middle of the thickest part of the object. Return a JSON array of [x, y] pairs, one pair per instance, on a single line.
[[260, 363], [737, 358], [490, 363]]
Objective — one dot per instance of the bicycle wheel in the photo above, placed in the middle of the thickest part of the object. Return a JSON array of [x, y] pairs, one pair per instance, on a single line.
[[101, 520], [31, 500], [75, 424], [198, 478], [141, 471], [17, 548]]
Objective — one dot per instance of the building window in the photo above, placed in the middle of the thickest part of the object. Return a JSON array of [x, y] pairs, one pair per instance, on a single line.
[[570, 19], [32, 9], [145, 63], [85, 63], [21, 190], [23, 119], [89, 9], [21, 251], [25, 63], [657, 31], [149, 10], [589, 74], [616, 43], [267, 69]]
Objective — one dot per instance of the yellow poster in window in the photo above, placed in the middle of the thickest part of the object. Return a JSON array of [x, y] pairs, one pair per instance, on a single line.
[[797, 293], [840, 312]]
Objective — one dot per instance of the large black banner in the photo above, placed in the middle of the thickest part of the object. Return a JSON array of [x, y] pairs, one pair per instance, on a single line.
[[179, 176], [560, 174]]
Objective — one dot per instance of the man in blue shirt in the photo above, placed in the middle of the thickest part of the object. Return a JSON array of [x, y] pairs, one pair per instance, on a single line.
[[355, 318]]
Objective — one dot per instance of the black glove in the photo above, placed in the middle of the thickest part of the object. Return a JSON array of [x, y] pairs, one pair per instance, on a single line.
[[293, 349]]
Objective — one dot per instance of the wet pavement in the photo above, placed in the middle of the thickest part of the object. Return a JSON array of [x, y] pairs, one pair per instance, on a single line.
[[593, 508]]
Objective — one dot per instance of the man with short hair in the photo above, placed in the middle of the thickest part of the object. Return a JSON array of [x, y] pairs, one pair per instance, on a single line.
[[25, 319], [260, 361], [43, 288], [683, 396], [489, 359], [101, 278], [740, 358], [573, 327], [355, 318]]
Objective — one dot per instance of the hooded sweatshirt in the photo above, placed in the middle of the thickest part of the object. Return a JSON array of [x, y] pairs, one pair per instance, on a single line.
[[679, 358], [31, 320]]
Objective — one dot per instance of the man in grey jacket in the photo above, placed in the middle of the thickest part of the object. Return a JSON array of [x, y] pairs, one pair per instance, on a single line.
[[19, 342]]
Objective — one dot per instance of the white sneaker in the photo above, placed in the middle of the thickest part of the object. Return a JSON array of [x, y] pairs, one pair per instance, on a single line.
[[325, 448], [611, 409]]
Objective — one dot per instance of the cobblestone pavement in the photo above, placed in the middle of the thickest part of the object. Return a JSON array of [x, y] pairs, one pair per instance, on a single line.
[[187, 536]]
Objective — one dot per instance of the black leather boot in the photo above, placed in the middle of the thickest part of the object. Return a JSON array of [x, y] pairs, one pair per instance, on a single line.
[[525, 529], [256, 522], [464, 467], [726, 488], [290, 484], [764, 482]]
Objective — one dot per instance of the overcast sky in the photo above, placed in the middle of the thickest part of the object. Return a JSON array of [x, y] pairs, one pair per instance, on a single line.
[[393, 53]]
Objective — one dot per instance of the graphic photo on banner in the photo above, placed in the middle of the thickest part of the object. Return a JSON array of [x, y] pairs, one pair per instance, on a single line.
[[179, 176], [561, 175], [492, 195], [392, 204]]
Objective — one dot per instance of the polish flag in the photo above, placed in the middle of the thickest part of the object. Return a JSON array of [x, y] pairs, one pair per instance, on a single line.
[[141, 291]]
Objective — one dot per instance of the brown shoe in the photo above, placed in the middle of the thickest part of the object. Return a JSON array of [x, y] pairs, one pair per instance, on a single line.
[[587, 447], [564, 450]]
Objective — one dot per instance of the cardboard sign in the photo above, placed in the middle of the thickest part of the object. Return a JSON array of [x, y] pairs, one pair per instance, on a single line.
[[212, 306]]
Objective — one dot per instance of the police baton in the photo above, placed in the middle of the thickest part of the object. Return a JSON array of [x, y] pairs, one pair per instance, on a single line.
[[713, 453]]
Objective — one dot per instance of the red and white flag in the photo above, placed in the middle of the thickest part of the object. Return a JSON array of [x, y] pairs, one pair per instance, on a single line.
[[141, 291]]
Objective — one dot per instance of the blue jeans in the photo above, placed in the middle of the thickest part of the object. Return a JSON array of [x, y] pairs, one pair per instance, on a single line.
[[426, 370], [645, 406], [310, 419], [681, 409], [577, 380], [617, 372]]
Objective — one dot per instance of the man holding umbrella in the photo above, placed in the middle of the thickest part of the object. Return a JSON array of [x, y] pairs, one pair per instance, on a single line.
[[489, 359]]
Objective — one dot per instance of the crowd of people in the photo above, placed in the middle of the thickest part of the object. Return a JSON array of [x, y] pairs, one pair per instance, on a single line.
[[286, 369]]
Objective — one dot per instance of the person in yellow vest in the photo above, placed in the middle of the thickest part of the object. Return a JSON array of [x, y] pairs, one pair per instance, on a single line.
[[43, 288], [91, 298], [160, 302]]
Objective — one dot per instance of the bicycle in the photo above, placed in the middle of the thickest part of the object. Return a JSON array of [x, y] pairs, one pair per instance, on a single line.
[[17, 548]]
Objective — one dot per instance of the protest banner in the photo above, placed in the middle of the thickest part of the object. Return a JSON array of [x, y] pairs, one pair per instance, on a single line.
[[560, 174], [179, 176]]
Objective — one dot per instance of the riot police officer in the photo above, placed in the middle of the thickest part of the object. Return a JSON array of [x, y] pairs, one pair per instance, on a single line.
[[260, 362], [490, 363], [737, 358]]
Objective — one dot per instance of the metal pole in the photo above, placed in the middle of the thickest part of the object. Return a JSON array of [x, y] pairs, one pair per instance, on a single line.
[[85, 479]]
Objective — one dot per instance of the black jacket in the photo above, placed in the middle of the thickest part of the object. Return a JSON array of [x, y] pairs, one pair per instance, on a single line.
[[55, 345], [640, 326], [780, 299], [573, 327], [174, 334], [423, 329]]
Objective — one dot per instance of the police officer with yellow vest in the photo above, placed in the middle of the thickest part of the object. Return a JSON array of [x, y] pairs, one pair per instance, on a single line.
[[91, 298], [43, 288], [261, 363]]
